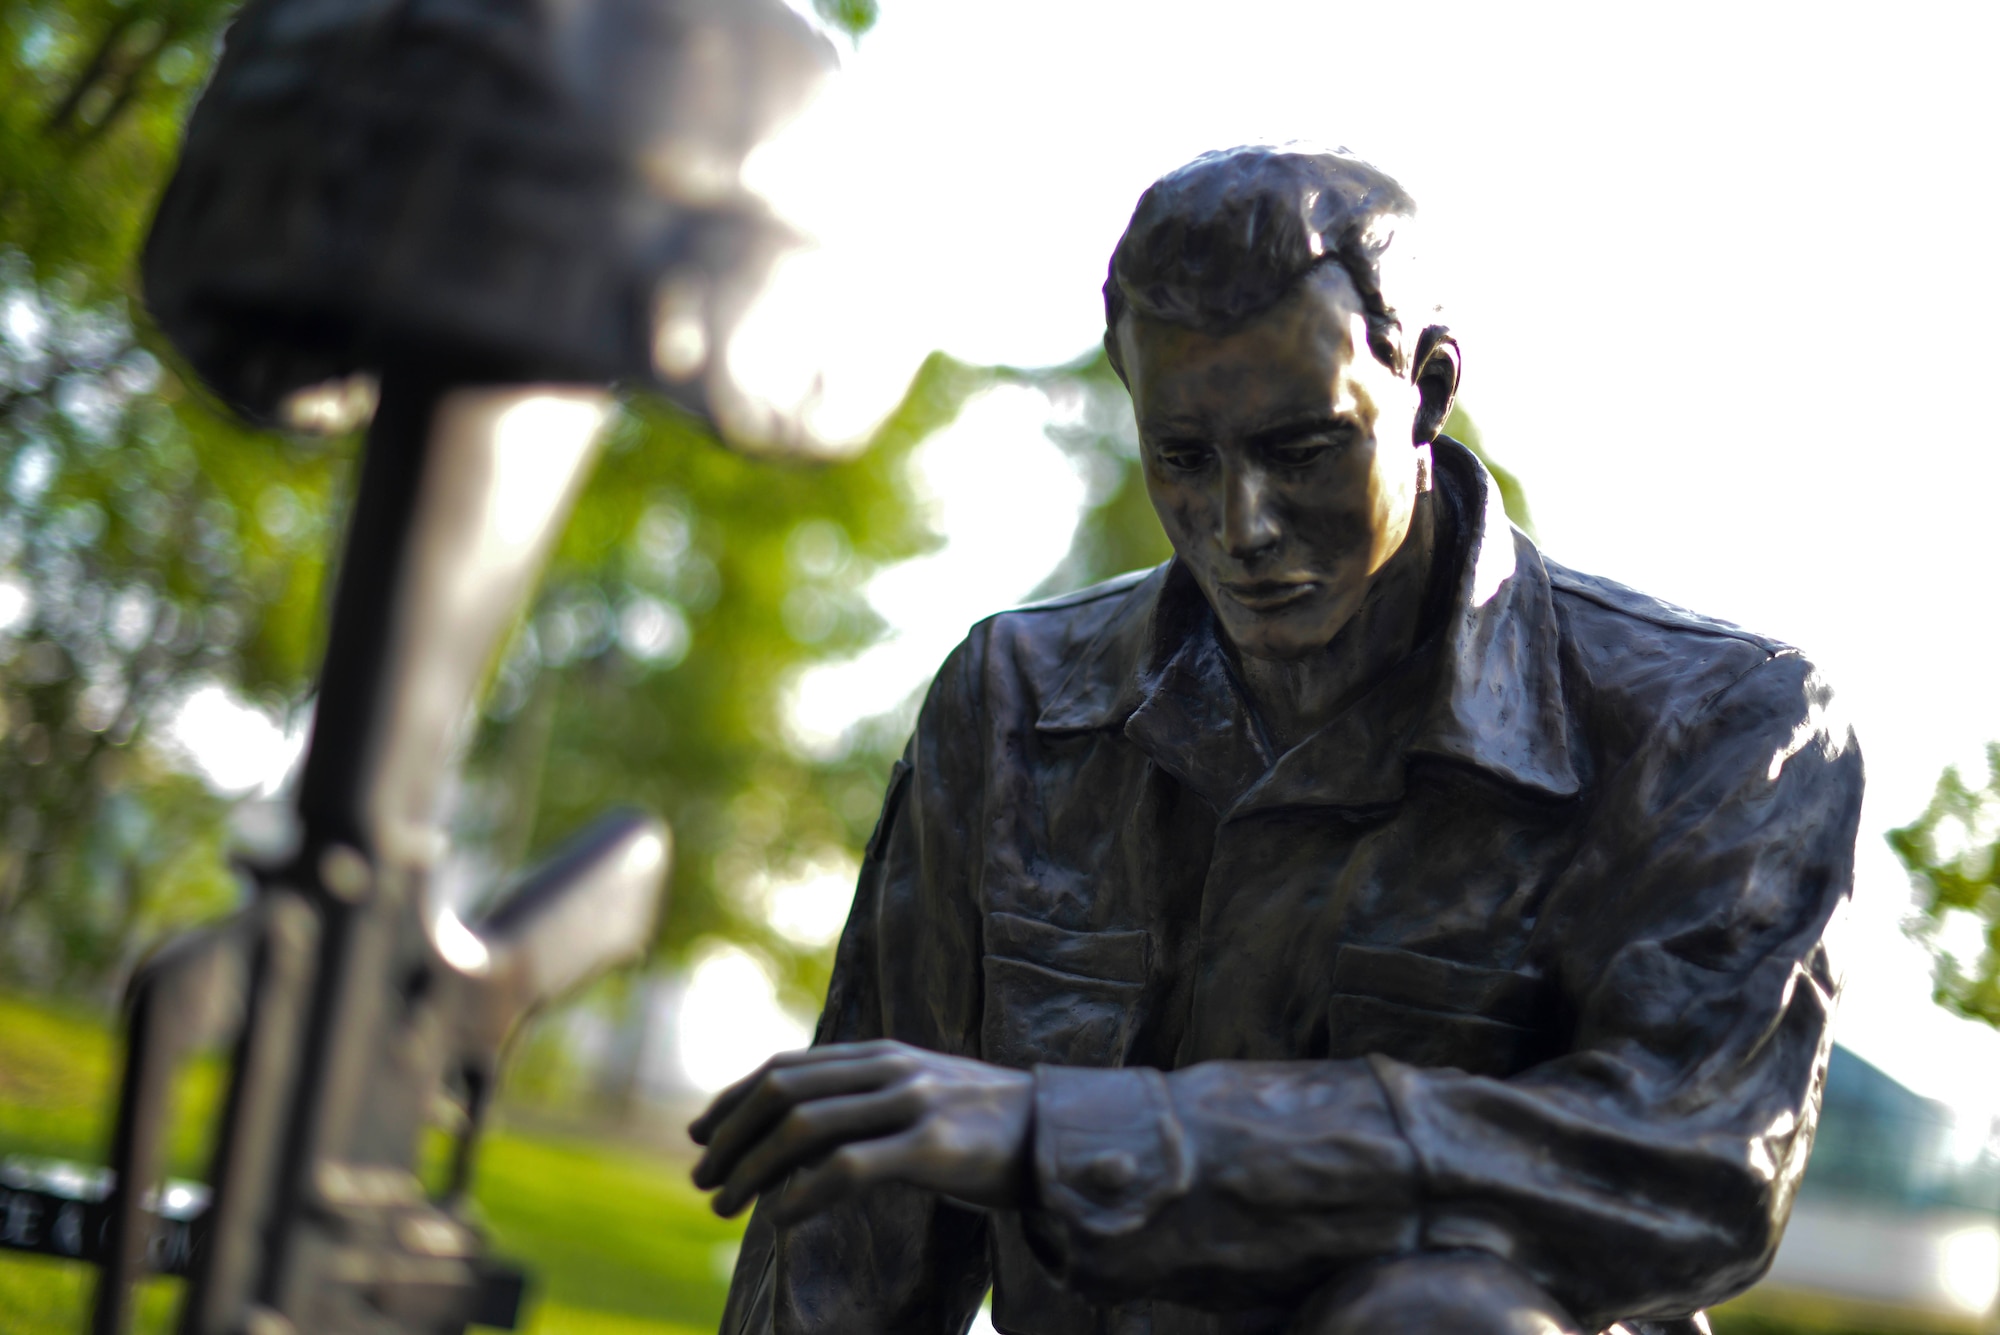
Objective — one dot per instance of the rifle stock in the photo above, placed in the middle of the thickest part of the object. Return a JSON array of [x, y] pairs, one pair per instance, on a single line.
[[366, 1006]]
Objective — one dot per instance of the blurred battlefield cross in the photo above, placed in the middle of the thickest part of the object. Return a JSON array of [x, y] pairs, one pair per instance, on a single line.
[[459, 223], [1359, 923]]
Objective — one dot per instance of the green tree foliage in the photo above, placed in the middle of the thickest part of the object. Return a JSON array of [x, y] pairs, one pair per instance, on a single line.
[[1118, 530], [1461, 428], [853, 17], [1952, 852], [92, 94], [692, 584], [149, 546]]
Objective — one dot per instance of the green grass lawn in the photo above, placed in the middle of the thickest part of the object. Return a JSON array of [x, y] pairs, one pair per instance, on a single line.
[[618, 1240]]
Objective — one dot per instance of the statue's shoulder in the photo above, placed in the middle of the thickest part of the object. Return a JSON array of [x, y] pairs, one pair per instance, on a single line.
[[1063, 626], [1593, 598], [1026, 653], [1094, 600], [1646, 662]]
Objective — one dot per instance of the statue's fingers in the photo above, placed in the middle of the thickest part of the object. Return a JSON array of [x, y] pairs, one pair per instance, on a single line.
[[777, 1093], [719, 1108], [703, 1128], [814, 1131], [849, 1169]]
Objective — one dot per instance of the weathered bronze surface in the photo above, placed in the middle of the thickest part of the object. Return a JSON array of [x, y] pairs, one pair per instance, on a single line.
[[1361, 923]]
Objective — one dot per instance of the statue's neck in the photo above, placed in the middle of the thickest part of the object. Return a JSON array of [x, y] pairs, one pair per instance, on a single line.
[[1295, 698]]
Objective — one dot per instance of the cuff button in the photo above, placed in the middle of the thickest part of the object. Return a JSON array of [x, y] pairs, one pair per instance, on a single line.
[[1113, 1171]]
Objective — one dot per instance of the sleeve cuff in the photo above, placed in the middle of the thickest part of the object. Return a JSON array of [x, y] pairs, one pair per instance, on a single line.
[[1109, 1151]]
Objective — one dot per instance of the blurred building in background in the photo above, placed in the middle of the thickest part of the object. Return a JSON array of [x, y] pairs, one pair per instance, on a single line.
[[1897, 1225]]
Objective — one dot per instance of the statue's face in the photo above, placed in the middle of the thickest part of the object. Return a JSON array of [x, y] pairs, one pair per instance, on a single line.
[[1278, 456]]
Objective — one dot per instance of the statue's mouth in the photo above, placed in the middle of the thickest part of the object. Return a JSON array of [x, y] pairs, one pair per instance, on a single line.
[[1271, 595]]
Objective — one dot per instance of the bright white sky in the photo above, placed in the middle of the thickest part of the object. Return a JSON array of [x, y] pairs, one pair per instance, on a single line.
[[1721, 273]]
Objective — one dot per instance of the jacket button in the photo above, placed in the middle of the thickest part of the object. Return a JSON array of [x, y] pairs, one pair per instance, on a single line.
[[1110, 1172]]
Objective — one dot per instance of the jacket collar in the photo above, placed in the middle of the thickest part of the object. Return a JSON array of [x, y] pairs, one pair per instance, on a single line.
[[1485, 690]]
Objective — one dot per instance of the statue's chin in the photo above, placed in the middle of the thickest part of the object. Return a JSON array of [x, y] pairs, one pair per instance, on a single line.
[[1284, 637]]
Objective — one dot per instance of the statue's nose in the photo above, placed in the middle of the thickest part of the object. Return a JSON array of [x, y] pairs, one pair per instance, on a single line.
[[1250, 525]]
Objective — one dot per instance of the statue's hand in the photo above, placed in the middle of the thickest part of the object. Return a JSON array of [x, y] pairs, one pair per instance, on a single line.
[[850, 1115]]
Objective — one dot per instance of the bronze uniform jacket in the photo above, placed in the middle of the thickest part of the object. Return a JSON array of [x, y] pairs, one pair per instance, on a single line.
[[1522, 952]]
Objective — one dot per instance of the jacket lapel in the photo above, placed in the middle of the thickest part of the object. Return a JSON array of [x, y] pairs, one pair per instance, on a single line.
[[1158, 673]]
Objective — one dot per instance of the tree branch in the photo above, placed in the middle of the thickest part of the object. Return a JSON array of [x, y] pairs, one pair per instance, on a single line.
[[93, 70]]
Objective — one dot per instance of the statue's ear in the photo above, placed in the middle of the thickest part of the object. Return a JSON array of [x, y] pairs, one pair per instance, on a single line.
[[1115, 357], [1436, 379]]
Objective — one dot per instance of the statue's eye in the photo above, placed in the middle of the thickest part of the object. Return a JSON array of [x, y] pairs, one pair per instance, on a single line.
[[1183, 456], [1309, 447], [1298, 453]]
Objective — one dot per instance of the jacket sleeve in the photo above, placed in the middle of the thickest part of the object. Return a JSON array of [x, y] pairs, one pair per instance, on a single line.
[[895, 1261], [1646, 1173]]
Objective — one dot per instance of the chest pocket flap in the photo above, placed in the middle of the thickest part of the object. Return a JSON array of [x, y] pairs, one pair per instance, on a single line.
[[1436, 1012], [1060, 997]]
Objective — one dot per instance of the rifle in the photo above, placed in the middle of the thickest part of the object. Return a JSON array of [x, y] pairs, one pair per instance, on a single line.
[[481, 212]]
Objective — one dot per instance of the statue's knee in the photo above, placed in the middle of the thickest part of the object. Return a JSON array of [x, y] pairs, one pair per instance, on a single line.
[[1438, 1293]]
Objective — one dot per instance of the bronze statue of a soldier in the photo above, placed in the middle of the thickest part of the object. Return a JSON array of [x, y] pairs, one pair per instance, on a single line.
[[1360, 923]]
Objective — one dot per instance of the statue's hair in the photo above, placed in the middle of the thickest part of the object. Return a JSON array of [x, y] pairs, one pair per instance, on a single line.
[[1225, 237]]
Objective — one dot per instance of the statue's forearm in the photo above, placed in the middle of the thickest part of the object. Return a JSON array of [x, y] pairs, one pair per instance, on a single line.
[[1223, 1182], [1250, 1182]]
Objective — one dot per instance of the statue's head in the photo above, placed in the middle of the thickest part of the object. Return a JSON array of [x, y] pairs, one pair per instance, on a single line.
[[1286, 384]]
